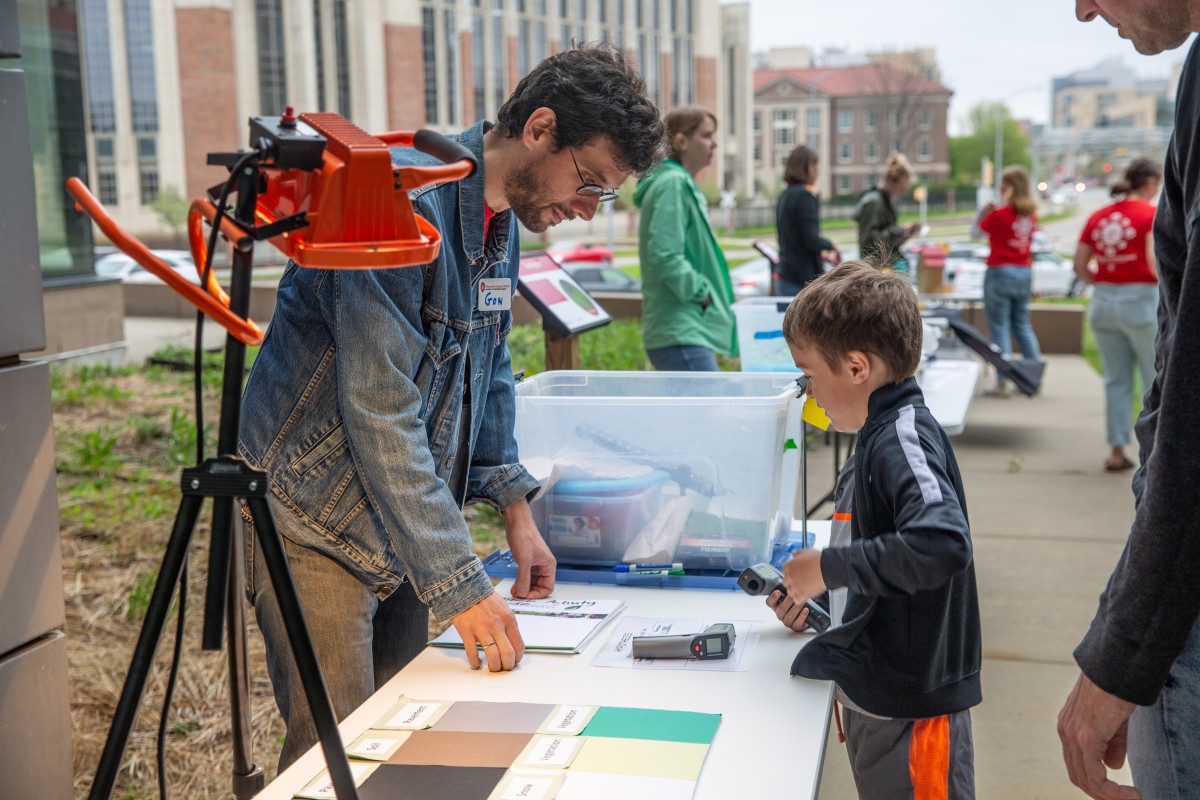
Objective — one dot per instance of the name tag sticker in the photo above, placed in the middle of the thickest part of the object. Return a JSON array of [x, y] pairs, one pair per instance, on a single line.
[[495, 294]]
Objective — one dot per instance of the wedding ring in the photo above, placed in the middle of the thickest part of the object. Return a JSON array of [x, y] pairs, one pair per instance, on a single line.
[[489, 644]]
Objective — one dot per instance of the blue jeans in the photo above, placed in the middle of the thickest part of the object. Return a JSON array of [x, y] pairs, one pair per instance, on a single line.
[[1164, 739], [683, 358], [1124, 318], [1006, 306], [360, 641], [785, 288]]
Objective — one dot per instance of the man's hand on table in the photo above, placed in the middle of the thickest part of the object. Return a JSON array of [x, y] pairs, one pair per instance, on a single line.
[[535, 562], [490, 624]]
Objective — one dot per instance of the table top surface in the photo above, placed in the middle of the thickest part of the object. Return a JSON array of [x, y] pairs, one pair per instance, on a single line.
[[773, 727]]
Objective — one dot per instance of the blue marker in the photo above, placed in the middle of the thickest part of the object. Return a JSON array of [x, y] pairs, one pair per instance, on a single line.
[[647, 567]]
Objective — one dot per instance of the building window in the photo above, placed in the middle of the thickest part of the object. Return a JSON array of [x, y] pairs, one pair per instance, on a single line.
[[844, 184], [107, 184], [478, 68], [451, 34], [757, 122], [897, 120], [845, 151], [104, 148], [429, 54], [342, 42], [139, 48], [924, 149], [845, 121], [872, 123], [499, 73], [872, 151], [523, 34], [272, 77], [814, 123], [784, 125], [148, 185], [925, 120], [98, 65], [757, 151], [147, 148]]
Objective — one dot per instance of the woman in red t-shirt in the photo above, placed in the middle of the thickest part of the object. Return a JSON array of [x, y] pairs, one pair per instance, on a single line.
[[1008, 281], [1124, 308]]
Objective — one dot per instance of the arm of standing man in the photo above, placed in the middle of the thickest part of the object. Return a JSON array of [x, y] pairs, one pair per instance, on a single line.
[[1152, 602]]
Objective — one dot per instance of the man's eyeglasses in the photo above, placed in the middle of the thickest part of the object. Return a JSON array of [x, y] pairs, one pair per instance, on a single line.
[[589, 189]]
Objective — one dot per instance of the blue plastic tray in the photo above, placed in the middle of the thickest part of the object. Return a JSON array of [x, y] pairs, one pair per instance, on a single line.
[[500, 565]]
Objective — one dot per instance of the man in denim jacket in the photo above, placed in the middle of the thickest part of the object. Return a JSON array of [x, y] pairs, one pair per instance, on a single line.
[[382, 400]]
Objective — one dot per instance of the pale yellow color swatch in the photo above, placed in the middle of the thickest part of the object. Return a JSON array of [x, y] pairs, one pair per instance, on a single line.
[[680, 760]]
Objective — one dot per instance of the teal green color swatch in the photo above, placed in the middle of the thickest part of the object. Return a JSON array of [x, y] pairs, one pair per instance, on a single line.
[[649, 723]]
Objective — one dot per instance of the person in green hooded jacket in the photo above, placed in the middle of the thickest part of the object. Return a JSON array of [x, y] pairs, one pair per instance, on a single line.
[[687, 296]]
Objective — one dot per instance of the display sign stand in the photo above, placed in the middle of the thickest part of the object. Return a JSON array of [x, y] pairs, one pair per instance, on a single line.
[[566, 309]]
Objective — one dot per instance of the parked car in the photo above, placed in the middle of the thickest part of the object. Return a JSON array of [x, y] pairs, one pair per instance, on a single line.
[[751, 279], [564, 252], [600, 277], [119, 265], [1053, 275]]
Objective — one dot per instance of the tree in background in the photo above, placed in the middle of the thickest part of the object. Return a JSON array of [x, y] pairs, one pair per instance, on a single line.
[[172, 209], [967, 152]]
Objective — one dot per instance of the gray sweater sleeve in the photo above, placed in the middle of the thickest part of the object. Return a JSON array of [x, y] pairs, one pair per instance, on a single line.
[[1152, 601]]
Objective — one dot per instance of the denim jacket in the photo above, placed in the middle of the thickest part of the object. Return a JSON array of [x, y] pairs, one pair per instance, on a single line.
[[353, 404]]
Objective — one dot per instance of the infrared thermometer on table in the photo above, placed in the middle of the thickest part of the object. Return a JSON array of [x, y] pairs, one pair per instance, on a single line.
[[716, 641]]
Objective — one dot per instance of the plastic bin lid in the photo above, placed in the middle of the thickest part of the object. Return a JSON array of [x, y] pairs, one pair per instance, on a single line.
[[591, 486]]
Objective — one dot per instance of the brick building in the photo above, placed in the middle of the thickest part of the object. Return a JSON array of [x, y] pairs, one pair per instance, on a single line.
[[169, 81], [853, 116]]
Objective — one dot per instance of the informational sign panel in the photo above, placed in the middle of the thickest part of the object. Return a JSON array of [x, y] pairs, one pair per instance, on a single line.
[[566, 309]]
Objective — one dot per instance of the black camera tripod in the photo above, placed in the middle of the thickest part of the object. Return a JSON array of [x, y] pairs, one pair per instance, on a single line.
[[224, 479]]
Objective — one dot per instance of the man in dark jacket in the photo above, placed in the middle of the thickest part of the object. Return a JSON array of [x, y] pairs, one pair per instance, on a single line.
[[905, 648], [1140, 660]]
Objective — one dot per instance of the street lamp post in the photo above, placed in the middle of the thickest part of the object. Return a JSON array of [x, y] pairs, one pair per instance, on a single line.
[[1000, 107]]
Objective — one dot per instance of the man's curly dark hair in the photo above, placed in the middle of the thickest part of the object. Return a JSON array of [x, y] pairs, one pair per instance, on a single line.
[[594, 93]]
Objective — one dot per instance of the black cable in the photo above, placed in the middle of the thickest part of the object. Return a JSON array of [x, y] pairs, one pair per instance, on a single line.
[[198, 390], [170, 690]]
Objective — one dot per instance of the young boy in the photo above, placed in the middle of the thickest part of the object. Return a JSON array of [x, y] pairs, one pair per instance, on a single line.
[[905, 650]]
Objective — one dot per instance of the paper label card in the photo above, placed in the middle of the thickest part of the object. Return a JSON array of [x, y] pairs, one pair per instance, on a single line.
[[413, 715], [377, 745], [495, 294], [527, 786], [569, 720], [550, 752], [322, 786]]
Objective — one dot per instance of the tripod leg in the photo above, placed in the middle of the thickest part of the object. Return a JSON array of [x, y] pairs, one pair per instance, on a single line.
[[248, 777], [311, 678], [147, 644]]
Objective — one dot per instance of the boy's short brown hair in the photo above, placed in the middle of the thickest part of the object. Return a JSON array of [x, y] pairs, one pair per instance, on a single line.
[[858, 307]]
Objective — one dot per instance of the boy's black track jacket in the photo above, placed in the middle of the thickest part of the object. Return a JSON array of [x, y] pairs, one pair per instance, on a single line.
[[909, 644]]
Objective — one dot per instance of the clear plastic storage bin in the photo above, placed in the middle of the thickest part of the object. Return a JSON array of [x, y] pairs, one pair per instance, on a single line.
[[760, 334], [637, 467]]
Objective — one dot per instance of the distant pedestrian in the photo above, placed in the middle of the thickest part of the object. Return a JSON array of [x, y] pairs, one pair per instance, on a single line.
[[1124, 308], [686, 291], [879, 235], [803, 252], [1008, 282]]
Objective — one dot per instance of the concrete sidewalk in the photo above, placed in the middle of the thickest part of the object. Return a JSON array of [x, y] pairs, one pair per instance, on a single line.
[[1048, 525]]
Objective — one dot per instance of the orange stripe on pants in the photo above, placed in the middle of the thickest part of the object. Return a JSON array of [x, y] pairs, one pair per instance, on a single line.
[[841, 516], [929, 758]]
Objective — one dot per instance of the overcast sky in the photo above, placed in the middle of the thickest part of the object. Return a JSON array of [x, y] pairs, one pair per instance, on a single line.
[[987, 51]]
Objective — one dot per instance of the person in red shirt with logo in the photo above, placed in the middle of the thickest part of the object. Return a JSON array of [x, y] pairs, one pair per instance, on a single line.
[[1008, 281], [1124, 308]]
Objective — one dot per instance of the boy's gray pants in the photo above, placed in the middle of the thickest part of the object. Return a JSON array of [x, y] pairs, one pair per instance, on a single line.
[[911, 759]]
